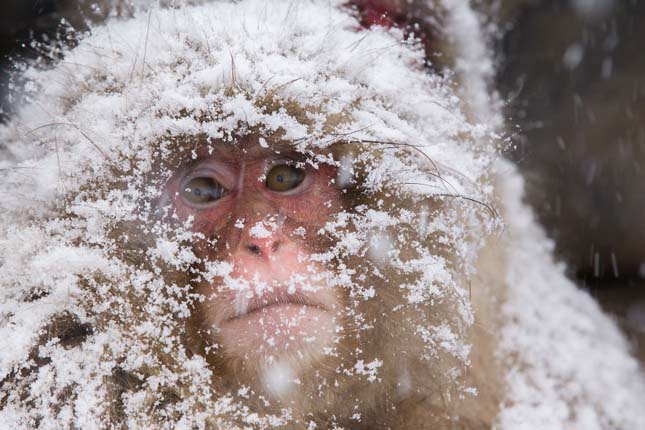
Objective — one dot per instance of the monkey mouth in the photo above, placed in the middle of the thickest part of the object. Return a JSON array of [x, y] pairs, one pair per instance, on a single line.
[[276, 300], [277, 321]]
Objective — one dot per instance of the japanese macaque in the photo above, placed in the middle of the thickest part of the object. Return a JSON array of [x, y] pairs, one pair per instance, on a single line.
[[284, 215]]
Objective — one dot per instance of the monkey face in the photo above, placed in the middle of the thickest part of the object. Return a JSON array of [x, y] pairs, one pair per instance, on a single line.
[[260, 212]]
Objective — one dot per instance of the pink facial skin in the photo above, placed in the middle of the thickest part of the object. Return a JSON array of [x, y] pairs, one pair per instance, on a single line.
[[277, 300]]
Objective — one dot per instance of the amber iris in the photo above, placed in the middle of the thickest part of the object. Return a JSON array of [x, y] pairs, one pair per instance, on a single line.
[[284, 177], [202, 191]]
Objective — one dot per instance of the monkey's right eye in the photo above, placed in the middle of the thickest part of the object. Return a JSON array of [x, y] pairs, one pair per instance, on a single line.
[[202, 190]]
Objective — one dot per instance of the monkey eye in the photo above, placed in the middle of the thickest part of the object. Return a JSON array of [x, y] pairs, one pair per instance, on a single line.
[[202, 190], [284, 177]]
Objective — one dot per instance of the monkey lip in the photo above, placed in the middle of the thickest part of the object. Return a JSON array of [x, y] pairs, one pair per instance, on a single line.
[[271, 317], [275, 301], [278, 322]]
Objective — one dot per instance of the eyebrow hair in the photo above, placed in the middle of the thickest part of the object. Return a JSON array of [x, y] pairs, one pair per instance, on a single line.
[[247, 146], [250, 147]]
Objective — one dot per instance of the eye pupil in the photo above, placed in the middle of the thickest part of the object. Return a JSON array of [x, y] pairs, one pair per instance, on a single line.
[[284, 177], [202, 190]]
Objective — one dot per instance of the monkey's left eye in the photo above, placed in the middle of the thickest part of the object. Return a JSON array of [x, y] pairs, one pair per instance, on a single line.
[[284, 177], [202, 190]]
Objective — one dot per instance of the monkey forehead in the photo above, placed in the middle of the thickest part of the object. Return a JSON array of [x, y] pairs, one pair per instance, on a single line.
[[252, 147]]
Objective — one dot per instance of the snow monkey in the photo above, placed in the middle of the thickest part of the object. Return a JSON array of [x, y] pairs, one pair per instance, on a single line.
[[285, 214]]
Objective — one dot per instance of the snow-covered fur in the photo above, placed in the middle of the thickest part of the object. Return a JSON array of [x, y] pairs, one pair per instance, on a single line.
[[95, 301]]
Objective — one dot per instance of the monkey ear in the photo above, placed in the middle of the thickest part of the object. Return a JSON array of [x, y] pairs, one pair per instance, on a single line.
[[419, 18], [384, 13]]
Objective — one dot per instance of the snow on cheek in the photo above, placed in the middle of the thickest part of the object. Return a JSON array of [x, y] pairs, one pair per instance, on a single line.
[[217, 269], [172, 253]]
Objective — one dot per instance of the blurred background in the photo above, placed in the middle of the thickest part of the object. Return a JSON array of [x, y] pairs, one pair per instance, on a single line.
[[573, 75]]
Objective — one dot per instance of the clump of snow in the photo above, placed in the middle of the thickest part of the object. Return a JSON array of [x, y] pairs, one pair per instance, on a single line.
[[263, 229], [370, 370]]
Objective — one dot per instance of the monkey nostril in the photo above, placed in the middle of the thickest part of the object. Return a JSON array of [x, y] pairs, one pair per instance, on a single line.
[[254, 249], [275, 246], [262, 250]]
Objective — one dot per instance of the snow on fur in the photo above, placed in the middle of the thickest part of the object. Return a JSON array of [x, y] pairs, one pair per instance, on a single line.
[[132, 88]]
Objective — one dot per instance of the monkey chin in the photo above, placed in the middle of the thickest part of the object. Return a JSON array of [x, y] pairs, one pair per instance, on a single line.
[[271, 320], [278, 341]]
